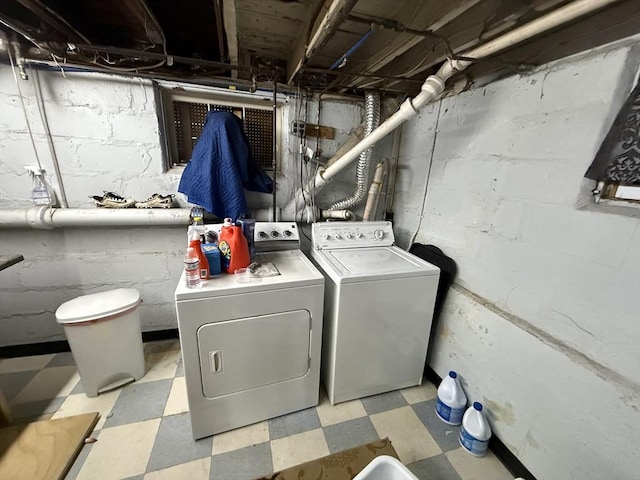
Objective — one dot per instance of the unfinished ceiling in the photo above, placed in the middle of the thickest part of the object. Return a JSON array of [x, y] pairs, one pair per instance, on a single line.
[[326, 45]]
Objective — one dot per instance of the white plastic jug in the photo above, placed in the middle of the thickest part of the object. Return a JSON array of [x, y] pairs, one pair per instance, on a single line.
[[475, 431], [451, 400]]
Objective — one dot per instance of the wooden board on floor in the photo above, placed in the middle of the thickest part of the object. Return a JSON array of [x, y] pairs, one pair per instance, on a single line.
[[342, 465], [43, 450]]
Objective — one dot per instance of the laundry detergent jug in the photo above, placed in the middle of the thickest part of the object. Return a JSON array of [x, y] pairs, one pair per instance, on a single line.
[[234, 250]]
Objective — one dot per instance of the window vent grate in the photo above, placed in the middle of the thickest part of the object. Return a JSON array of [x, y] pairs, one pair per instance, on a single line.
[[188, 123]]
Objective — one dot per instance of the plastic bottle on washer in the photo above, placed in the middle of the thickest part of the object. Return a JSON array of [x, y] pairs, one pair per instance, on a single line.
[[192, 269], [204, 263]]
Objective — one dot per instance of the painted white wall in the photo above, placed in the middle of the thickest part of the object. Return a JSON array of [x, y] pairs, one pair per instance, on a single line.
[[542, 325], [106, 135]]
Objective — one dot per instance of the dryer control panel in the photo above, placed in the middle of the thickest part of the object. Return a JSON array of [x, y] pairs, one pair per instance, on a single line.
[[273, 236], [332, 235]]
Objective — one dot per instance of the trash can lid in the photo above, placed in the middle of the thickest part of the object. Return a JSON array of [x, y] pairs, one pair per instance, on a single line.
[[97, 305]]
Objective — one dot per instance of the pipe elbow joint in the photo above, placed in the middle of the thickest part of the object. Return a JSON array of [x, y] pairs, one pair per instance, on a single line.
[[433, 85], [40, 218], [407, 110]]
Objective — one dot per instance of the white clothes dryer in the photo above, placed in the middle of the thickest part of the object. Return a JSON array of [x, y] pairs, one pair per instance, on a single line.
[[251, 351], [378, 309]]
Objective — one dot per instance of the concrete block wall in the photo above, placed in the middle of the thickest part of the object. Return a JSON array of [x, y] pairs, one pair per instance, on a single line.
[[542, 324], [107, 137], [62, 264]]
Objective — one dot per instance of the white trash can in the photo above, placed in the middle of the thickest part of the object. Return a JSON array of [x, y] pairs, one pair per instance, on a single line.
[[104, 334]]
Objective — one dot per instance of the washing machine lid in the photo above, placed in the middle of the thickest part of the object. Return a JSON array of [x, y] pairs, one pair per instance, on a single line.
[[372, 263], [296, 270]]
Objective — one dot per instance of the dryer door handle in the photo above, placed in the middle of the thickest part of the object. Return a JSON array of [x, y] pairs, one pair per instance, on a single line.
[[215, 361]]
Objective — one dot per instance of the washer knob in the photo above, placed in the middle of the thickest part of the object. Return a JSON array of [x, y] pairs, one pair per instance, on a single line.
[[275, 234], [358, 235], [287, 233], [337, 236], [347, 236], [378, 234], [325, 236], [262, 234]]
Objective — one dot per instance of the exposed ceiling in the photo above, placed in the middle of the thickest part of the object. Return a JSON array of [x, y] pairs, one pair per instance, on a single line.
[[327, 45]]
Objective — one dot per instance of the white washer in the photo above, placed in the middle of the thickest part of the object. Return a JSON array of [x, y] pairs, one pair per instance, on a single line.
[[379, 302], [251, 351]]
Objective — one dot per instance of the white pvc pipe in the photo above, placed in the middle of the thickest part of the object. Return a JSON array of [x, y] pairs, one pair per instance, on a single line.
[[371, 206], [47, 217], [434, 85], [340, 214]]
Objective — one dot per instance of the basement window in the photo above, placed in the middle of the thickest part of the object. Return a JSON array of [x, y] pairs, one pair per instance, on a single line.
[[613, 192], [185, 114], [616, 166]]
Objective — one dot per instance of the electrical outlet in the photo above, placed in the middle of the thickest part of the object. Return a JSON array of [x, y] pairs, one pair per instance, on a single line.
[[298, 128]]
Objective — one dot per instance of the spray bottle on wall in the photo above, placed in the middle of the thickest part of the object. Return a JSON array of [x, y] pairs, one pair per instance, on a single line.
[[41, 194]]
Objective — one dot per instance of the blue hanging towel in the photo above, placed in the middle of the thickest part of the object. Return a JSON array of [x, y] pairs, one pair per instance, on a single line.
[[221, 166]]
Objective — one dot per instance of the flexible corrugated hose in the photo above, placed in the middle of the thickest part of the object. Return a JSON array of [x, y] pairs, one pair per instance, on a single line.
[[372, 113]]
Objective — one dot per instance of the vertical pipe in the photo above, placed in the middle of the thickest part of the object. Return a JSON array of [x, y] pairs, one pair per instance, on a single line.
[[274, 162], [47, 132], [374, 193]]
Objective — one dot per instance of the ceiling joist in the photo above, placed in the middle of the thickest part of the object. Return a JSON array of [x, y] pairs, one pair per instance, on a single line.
[[51, 17], [336, 11], [231, 30], [424, 21]]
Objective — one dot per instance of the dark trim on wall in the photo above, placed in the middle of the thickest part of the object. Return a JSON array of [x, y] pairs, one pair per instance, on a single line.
[[63, 346], [30, 349], [508, 459], [160, 335]]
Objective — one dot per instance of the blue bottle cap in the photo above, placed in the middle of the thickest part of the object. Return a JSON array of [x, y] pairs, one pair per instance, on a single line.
[[453, 374], [477, 406]]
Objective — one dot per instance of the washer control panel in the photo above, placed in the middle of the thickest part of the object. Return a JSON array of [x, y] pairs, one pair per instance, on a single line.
[[330, 235]]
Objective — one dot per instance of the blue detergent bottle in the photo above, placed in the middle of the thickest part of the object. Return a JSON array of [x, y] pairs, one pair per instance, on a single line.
[[212, 252]]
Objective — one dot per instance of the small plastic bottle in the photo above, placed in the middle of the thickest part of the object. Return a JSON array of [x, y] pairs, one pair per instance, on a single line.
[[41, 195], [204, 264], [197, 226], [451, 400], [192, 269], [475, 431]]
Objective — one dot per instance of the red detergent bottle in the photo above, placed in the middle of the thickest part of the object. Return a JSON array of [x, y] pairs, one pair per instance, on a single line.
[[234, 250]]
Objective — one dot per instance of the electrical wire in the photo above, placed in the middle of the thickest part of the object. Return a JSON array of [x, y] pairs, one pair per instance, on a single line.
[[426, 183], [24, 109], [298, 108]]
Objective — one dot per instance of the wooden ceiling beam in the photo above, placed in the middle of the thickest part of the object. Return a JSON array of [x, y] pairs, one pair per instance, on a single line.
[[325, 23], [463, 39], [54, 19], [217, 6], [403, 42], [147, 21], [231, 32]]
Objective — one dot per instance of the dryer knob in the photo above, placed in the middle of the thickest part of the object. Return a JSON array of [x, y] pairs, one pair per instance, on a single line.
[[275, 234], [325, 236], [287, 233], [347, 236], [378, 234], [337, 236], [262, 234]]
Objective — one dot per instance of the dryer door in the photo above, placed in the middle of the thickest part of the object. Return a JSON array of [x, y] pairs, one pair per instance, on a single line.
[[251, 352]]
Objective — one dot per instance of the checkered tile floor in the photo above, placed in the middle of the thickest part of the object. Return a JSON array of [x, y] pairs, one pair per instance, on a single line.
[[144, 430]]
